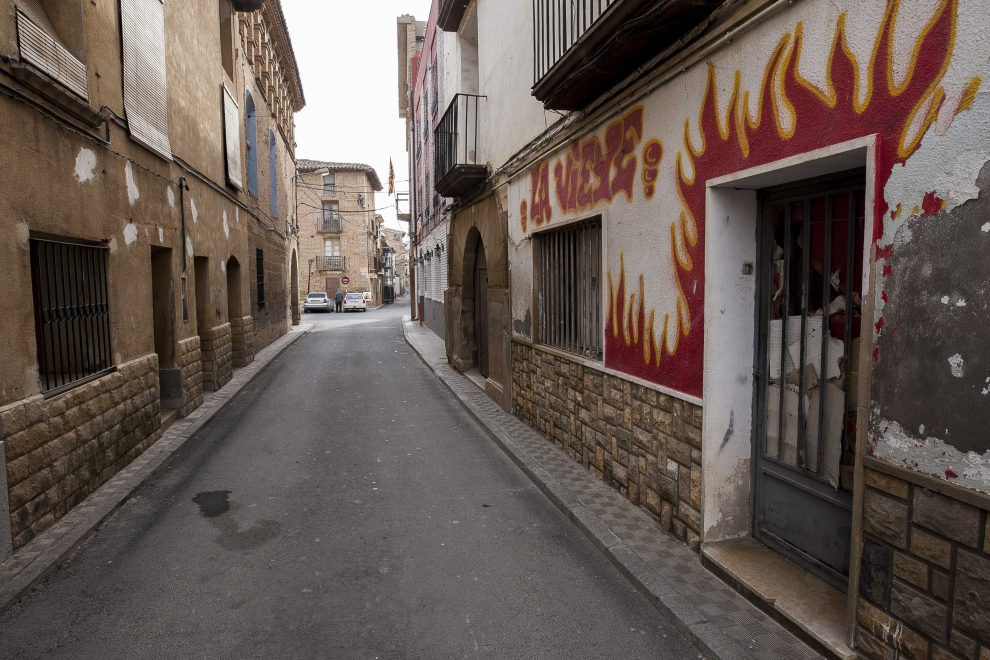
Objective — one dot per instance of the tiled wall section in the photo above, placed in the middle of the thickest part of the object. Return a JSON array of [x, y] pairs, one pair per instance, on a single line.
[[646, 444], [218, 366], [242, 340], [925, 577], [61, 449], [191, 364]]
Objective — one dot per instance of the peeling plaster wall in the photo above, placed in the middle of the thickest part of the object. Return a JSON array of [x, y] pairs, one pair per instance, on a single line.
[[931, 392]]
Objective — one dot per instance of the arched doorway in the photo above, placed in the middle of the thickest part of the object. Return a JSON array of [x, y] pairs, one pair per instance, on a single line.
[[294, 282], [474, 302], [233, 289]]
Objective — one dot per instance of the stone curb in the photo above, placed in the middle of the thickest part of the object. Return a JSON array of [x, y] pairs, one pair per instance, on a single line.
[[686, 618], [32, 563]]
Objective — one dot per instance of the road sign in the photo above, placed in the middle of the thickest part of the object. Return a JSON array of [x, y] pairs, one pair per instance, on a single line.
[[345, 280]]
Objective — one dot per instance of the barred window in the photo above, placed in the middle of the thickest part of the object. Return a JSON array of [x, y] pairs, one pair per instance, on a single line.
[[330, 184], [71, 311], [568, 282], [260, 260]]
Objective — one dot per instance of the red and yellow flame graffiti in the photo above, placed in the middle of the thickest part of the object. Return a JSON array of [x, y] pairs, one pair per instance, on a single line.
[[733, 140]]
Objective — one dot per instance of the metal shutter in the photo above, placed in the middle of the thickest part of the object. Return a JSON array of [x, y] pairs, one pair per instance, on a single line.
[[145, 99], [232, 134], [41, 46]]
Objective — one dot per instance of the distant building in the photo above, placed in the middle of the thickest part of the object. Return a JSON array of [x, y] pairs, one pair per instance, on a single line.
[[339, 231]]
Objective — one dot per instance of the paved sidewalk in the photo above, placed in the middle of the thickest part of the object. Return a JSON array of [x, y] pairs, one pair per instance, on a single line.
[[32, 562], [717, 619]]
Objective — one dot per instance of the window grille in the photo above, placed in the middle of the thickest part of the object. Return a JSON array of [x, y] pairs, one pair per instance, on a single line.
[[330, 184], [260, 259], [569, 288], [71, 311]]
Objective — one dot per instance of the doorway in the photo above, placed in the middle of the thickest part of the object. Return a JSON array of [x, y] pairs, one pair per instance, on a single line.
[[163, 320], [481, 309], [203, 322], [294, 288], [233, 289], [809, 296]]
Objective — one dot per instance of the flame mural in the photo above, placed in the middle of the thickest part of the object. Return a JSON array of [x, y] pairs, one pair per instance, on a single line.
[[793, 116]]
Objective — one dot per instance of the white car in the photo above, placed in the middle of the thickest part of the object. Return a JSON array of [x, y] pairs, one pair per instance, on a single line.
[[355, 301], [318, 300]]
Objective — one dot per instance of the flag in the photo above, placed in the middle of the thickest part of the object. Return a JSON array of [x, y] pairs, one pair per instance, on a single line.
[[391, 178]]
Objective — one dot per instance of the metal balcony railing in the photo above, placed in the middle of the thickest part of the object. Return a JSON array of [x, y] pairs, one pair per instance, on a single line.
[[557, 25], [329, 188], [456, 147], [324, 262], [329, 222]]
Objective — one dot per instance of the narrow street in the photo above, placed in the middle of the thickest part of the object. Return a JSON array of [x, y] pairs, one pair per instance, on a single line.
[[342, 506]]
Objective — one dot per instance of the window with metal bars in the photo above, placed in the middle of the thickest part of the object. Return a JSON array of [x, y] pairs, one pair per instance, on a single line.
[[71, 311], [568, 284], [260, 260]]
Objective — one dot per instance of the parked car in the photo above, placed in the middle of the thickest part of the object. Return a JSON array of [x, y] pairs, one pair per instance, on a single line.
[[318, 300], [355, 301]]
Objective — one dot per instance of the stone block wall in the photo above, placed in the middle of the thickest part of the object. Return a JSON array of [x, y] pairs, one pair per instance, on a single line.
[[218, 366], [645, 444], [191, 366], [925, 575], [61, 449], [242, 340]]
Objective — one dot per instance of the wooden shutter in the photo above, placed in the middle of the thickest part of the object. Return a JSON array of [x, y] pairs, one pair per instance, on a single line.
[[145, 98], [232, 138], [42, 47]]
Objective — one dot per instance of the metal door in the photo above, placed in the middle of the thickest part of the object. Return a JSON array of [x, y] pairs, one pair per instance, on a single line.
[[810, 267]]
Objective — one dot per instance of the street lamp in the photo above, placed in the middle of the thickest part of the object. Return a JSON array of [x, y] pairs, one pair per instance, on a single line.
[[309, 276]]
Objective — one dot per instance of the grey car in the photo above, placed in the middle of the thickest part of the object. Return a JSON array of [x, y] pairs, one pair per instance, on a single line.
[[318, 301]]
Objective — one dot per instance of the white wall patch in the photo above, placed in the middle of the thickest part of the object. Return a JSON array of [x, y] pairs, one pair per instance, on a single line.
[[85, 165], [226, 227], [985, 227], [961, 302], [132, 190], [171, 197], [189, 249], [956, 365], [195, 213], [161, 235], [945, 300], [223, 265], [930, 456], [130, 233]]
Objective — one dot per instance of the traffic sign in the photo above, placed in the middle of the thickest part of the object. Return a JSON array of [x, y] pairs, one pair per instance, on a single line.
[[345, 280]]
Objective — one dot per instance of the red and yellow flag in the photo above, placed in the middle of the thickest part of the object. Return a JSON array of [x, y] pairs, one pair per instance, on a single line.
[[391, 178]]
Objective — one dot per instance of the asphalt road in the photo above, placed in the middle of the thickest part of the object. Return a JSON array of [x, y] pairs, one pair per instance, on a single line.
[[341, 506]]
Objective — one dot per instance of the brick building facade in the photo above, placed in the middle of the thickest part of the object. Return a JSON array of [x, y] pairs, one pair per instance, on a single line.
[[339, 231]]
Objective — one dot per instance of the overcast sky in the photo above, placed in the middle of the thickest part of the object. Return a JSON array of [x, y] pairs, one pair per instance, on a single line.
[[348, 58]]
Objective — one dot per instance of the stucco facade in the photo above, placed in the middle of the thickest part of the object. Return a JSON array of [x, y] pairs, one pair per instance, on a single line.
[[879, 108], [168, 224]]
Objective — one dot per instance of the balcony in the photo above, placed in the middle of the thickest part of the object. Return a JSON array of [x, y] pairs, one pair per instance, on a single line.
[[330, 263], [329, 189], [455, 164], [329, 223], [450, 14], [581, 48]]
